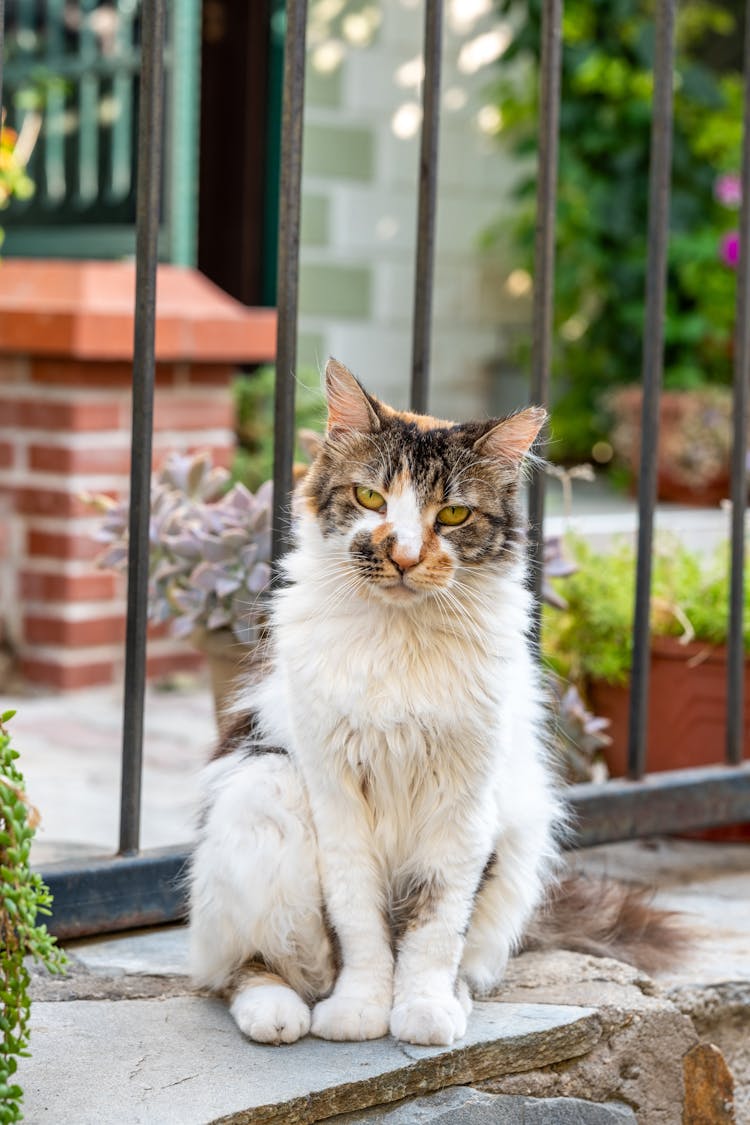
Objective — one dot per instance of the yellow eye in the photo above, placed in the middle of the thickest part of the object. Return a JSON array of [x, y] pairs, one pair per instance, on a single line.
[[369, 498], [453, 515]]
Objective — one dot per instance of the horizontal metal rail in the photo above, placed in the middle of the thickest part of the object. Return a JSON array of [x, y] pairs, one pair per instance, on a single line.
[[109, 894]]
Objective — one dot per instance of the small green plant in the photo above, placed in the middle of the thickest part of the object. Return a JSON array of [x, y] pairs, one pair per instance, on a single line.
[[254, 400], [23, 896], [592, 636]]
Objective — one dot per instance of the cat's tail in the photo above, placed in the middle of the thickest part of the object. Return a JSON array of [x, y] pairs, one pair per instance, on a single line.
[[607, 918]]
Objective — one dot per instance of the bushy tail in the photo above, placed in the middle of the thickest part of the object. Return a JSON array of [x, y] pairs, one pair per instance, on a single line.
[[607, 918]]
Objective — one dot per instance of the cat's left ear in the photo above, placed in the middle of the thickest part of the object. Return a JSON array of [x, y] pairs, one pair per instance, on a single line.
[[349, 406], [510, 440]]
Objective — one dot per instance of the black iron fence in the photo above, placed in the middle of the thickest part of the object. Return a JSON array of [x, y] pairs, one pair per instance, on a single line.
[[136, 888]]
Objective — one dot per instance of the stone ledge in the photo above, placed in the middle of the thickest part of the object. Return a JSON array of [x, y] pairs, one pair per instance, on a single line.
[[181, 1061]]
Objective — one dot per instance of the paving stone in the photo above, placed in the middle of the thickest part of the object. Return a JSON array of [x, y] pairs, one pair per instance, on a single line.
[[464, 1106], [181, 1061], [161, 951]]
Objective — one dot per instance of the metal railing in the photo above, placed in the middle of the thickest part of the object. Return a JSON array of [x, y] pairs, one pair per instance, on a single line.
[[134, 888]]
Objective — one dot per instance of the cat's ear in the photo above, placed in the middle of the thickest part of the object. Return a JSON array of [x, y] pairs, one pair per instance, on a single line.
[[511, 439], [349, 407]]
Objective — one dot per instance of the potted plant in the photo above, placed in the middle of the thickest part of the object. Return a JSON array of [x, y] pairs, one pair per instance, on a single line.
[[209, 562], [695, 441], [590, 642]]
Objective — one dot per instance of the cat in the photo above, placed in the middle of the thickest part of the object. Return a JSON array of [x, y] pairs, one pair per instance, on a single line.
[[383, 819]]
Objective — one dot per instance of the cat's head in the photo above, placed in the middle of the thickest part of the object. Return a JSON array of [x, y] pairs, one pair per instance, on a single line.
[[407, 501]]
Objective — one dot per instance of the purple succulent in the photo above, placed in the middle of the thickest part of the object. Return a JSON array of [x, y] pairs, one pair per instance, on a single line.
[[729, 249], [728, 190], [210, 548]]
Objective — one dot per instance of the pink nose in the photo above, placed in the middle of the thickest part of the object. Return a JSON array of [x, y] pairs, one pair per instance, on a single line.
[[403, 558]]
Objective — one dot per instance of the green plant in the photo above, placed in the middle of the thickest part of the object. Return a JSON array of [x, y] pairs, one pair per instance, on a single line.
[[254, 402], [592, 637], [23, 896], [605, 124]]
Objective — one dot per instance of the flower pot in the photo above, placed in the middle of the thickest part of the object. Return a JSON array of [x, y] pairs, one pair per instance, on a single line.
[[686, 715], [231, 664], [694, 442]]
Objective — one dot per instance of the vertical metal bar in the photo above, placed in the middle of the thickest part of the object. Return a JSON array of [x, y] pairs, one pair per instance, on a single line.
[[288, 269], [427, 205], [150, 135], [544, 275], [653, 349], [736, 655], [88, 107]]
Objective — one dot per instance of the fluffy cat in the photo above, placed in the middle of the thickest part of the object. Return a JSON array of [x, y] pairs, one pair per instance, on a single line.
[[381, 823]]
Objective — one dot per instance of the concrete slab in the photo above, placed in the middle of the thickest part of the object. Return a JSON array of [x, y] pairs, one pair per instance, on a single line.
[[158, 951], [181, 1061]]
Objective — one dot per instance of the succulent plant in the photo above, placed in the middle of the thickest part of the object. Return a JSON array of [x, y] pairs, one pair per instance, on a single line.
[[210, 548], [579, 736]]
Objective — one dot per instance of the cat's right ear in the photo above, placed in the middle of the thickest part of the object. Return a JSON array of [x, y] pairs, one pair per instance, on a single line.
[[349, 407]]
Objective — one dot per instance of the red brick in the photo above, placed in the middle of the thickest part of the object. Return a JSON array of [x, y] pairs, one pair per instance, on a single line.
[[62, 459], [67, 676], [174, 413], [50, 630], [57, 545], [210, 374], [94, 373], [77, 415], [7, 454], [47, 587], [51, 502]]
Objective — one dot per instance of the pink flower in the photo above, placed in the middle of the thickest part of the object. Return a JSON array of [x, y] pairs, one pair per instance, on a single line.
[[728, 190], [729, 249]]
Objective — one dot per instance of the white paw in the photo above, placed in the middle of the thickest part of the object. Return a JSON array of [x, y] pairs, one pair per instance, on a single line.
[[349, 1017], [431, 1022], [271, 1013]]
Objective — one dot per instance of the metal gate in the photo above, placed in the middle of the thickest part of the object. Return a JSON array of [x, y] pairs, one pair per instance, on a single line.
[[135, 888]]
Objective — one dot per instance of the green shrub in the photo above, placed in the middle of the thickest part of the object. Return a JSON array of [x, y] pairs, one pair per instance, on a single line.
[[254, 399], [605, 125], [23, 896], [593, 637]]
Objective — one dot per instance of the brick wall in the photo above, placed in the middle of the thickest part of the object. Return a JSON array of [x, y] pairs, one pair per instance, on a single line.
[[65, 431]]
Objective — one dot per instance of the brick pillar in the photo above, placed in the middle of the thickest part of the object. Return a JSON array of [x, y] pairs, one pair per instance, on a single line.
[[65, 339]]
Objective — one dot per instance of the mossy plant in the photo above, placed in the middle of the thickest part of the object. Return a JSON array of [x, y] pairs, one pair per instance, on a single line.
[[23, 897], [592, 636]]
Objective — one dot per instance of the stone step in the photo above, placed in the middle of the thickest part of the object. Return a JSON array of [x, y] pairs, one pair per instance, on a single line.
[[181, 1061]]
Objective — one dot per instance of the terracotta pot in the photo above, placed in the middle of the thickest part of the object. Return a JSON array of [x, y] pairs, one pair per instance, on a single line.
[[230, 663], [671, 486], [687, 714]]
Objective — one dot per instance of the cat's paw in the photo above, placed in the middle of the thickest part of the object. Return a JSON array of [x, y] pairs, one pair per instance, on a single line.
[[429, 1022], [349, 1017], [271, 1014]]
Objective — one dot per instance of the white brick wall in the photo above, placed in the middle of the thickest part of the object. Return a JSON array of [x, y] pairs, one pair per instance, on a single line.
[[374, 223]]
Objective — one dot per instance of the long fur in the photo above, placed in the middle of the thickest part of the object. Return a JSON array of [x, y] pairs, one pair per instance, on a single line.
[[383, 822]]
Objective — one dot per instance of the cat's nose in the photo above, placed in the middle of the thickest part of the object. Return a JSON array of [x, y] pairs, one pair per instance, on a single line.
[[403, 558]]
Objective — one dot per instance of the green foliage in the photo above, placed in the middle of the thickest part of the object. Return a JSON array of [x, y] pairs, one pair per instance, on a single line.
[[605, 125], [23, 896], [592, 638], [254, 399]]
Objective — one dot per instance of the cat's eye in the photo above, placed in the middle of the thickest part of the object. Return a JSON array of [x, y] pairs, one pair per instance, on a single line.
[[369, 498], [453, 515]]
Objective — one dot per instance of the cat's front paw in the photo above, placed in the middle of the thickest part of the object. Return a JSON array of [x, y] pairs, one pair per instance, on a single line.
[[271, 1014], [429, 1022], [349, 1017]]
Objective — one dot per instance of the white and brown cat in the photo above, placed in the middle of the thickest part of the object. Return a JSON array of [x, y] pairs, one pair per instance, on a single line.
[[380, 824]]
